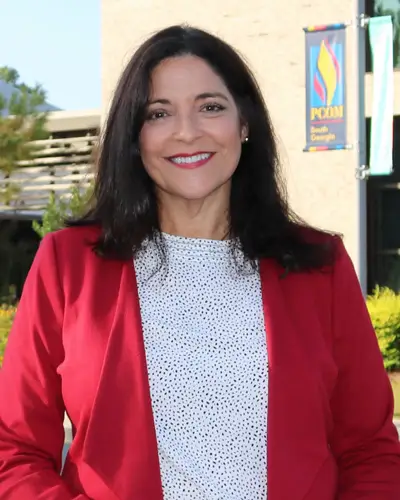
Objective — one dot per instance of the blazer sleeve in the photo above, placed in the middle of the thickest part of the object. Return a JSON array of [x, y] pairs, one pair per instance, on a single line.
[[31, 405], [364, 441]]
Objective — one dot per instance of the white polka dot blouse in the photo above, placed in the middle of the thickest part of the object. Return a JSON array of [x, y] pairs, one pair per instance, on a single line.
[[206, 352]]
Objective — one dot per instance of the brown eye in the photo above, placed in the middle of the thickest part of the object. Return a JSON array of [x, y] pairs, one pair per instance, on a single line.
[[156, 115], [213, 107]]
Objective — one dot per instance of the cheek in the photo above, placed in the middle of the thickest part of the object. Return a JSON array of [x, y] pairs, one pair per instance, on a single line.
[[149, 142], [154, 138], [152, 149], [228, 136], [232, 150]]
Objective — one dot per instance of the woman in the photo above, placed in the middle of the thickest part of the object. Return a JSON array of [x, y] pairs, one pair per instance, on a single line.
[[188, 306]]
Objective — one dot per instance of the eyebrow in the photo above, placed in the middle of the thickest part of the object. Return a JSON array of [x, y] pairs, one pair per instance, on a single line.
[[204, 95]]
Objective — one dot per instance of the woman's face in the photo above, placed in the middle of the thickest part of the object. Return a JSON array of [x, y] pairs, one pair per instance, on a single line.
[[191, 140]]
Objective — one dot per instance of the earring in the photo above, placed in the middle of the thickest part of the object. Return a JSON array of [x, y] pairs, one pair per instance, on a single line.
[[246, 139]]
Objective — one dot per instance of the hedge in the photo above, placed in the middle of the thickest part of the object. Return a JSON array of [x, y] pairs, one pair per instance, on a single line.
[[6, 318], [384, 309]]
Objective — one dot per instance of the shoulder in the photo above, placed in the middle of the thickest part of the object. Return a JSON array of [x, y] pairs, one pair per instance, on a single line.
[[80, 235], [69, 256], [324, 281], [336, 282], [316, 236], [72, 240], [68, 251], [338, 260], [313, 251]]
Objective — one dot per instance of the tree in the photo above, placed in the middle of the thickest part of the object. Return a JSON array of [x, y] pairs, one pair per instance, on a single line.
[[22, 120], [58, 210]]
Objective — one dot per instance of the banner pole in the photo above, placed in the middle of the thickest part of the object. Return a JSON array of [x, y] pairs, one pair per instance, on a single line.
[[360, 137]]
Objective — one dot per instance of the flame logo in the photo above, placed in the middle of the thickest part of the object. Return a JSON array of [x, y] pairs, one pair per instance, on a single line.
[[327, 76]]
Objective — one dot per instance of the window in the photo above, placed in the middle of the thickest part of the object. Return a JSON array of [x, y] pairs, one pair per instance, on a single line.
[[383, 207], [385, 8]]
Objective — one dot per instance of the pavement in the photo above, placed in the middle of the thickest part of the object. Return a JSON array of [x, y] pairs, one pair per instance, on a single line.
[[397, 424]]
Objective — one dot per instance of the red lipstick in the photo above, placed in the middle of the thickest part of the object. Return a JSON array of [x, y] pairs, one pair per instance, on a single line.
[[192, 160]]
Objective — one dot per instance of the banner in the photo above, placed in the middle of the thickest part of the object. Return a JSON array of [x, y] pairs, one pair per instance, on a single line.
[[381, 150], [326, 106]]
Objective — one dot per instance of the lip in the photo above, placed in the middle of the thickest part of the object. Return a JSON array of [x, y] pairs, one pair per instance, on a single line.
[[190, 166]]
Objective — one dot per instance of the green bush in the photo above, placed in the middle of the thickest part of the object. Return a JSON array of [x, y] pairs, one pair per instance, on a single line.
[[57, 210], [384, 309], [6, 318]]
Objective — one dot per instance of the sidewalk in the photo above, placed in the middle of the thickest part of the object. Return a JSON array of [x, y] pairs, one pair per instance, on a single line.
[[397, 424]]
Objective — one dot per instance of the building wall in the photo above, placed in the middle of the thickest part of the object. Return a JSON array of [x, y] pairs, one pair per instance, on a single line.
[[63, 160], [69, 121], [322, 186]]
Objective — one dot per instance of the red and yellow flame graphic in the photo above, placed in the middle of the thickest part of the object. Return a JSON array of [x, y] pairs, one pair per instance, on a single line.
[[327, 76]]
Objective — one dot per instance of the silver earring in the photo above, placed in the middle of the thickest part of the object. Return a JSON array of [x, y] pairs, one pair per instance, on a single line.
[[246, 139]]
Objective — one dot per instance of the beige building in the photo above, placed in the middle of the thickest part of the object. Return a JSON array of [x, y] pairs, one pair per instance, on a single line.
[[322, 185], [61, 161]]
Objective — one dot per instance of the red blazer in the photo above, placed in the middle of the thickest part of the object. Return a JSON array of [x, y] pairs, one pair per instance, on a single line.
[[77, 344]]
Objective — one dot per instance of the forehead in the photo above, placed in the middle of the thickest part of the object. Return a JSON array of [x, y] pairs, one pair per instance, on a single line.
[[183, 76]]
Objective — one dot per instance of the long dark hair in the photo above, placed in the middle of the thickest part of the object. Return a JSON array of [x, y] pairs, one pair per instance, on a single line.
[[125, 204]]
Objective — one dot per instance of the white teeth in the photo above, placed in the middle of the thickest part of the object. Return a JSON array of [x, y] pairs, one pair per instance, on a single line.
[[191, 159]]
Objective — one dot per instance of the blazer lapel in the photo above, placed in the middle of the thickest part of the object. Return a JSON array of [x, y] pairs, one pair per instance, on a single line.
[[120, 444], [294, 413]]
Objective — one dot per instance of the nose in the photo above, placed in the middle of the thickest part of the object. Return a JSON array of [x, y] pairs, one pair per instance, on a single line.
[[187, 129]]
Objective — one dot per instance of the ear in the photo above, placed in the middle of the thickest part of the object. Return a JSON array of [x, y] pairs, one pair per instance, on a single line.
[[244, 133]]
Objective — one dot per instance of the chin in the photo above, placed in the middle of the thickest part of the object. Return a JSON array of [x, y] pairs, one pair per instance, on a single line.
[[192, 195], [198, 192]]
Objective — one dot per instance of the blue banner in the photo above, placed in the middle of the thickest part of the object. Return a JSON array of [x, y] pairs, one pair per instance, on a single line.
[[381, 151], [326, 107]]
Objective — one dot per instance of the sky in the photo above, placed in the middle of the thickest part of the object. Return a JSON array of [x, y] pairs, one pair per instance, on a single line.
[[55, 43]]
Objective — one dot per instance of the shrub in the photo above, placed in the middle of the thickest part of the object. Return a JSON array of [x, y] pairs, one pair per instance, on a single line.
[[57, 210], [6, 318], [384, 309]]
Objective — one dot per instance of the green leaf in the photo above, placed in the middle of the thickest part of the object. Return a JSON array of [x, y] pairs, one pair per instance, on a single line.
[[57, 210], [384, 309]]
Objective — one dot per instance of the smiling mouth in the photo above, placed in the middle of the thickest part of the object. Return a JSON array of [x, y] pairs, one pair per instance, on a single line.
[[191, 161]]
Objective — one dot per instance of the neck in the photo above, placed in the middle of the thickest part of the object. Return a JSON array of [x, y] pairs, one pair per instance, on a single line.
[[206, 219]]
